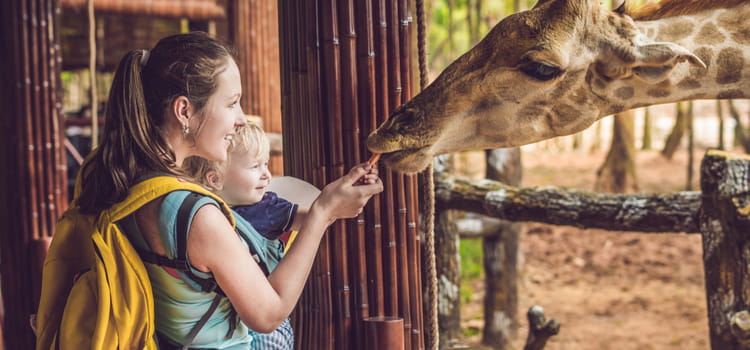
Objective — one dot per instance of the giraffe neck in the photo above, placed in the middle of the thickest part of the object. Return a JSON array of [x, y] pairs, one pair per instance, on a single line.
[[721, 38]]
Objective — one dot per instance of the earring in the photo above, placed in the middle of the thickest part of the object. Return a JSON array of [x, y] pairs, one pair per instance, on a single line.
[[185, 129]]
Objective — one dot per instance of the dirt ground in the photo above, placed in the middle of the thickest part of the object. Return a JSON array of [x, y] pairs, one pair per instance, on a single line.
[[609, 290]]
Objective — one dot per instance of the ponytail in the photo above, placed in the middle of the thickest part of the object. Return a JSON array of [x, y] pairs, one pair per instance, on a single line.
[[131, 143]]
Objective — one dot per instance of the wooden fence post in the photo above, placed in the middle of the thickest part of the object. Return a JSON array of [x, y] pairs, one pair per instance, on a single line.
[[448, 266], [502, 258], [725, 224]]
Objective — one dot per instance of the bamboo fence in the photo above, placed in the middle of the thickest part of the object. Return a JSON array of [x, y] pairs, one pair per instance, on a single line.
[[253, 30], [32, 155], [345, 65]]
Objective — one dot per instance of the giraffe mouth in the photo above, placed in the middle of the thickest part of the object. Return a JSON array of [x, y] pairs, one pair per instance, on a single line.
[[408, 161]]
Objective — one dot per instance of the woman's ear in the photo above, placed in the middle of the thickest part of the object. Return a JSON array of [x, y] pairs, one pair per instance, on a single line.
[[214, 181], [182, 110]]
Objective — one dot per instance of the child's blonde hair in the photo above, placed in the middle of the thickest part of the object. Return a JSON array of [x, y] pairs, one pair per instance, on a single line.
[[250, 139]]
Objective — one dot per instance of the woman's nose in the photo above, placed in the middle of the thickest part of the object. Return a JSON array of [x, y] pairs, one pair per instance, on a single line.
[[240, 119]]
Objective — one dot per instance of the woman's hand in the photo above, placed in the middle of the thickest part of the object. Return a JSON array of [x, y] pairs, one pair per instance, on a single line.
[[345, 197]]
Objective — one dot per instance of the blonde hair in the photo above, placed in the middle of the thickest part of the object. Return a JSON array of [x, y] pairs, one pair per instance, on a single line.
[[249, 139]]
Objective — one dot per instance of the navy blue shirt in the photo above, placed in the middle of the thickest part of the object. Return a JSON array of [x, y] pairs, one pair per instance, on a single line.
[[271, 217]]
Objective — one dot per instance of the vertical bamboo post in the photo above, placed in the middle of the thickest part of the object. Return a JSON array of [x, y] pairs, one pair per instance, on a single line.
[[725, 225], [252, 30], [384, 333], [339, 91], [31, 152]]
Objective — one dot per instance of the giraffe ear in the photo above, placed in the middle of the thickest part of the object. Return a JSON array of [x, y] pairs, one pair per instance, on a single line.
[[654, 61]]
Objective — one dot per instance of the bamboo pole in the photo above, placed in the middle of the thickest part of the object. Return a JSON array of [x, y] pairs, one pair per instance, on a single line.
[[385, 72], [346, 82], [31, 151], [27, 116], [384, 333], [92, 75]]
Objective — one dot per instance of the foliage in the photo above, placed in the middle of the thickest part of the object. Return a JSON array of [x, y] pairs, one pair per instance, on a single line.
[[470, 251], [450, 29]]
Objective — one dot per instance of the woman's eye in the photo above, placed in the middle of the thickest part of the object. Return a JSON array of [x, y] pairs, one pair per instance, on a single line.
[[541, 71]]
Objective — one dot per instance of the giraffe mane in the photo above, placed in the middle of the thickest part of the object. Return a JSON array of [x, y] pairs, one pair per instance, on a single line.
[[671, 8]]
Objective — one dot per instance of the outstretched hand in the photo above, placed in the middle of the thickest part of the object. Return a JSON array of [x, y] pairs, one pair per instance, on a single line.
[[345, 197]]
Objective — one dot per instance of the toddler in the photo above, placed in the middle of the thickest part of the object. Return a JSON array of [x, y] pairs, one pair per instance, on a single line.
[[241, 181]]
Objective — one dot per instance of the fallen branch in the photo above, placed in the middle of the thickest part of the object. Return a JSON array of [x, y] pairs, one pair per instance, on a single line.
[[540, 330], [644, 212]]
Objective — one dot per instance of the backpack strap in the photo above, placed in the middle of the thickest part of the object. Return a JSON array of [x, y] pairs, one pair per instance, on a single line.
[[184, 219], [202, 322]]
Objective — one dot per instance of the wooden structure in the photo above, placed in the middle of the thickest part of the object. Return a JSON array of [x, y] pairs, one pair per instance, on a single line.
[[345, 65], [720, 212], [33, 178], [253, 30]]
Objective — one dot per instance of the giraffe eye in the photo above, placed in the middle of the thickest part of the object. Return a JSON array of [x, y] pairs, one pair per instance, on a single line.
[[540, 70]]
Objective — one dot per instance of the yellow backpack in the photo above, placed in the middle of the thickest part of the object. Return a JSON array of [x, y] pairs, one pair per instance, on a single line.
[[96, 292]]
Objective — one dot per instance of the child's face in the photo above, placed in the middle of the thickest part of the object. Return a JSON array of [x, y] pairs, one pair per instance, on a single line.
[[246, 179]]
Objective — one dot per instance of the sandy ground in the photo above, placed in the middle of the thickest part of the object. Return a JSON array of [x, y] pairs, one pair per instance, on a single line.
[[609, 290]]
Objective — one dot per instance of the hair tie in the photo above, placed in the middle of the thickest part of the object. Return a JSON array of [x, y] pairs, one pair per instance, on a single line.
[[144, 57]]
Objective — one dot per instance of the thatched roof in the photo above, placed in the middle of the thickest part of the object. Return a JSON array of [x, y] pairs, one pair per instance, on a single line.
[[194, 9], [123, 25]]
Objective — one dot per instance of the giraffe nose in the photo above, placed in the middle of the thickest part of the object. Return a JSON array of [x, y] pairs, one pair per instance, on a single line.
[[384, 139]]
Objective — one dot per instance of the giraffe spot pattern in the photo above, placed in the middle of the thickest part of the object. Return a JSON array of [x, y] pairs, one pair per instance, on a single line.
[[599, 83], [709, 35], [658, 92], [730, 94], [580, 96], [729, 64], [675, 31], [705, 54], [625, 92], [688, 84], [737, 24], [565, 84]]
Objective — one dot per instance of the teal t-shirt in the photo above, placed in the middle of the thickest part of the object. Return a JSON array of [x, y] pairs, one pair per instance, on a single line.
[[178, 301]]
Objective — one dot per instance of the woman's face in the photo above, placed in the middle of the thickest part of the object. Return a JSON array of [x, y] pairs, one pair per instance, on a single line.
[[222, 115]]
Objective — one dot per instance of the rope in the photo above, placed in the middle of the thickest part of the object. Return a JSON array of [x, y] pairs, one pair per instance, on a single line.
[[431, 317]]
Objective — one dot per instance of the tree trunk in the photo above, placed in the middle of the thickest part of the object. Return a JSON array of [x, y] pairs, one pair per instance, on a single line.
[[577, 140], [502, 258], [596, 144], [451, 28], [448, 266], [673, 140], [618, 173], [642, 212], [725, 224], [647, 143], [720, 116], [691, 146], [476, 31], [739, 129]]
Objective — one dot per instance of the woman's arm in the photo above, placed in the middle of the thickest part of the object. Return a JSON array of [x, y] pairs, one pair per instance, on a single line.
[[263, 303]]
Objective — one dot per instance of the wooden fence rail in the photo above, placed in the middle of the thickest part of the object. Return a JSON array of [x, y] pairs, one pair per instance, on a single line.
[[720, 212]]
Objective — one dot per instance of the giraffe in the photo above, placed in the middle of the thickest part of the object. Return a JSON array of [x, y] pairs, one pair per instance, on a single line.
[[559, 67]]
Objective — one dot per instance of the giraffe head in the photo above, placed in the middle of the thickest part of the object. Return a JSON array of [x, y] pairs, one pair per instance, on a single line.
[[546, 72]]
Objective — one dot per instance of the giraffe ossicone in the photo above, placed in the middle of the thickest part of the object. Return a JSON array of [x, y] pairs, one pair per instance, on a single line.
[[559, 67]]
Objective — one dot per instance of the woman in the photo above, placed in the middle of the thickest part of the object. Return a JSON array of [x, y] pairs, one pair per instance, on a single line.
[[178, 100]]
